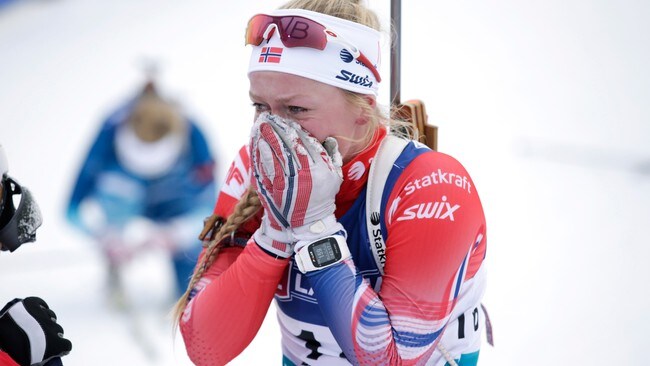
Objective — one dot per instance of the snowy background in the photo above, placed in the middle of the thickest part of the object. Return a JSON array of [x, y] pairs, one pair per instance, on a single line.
[[546, 102]]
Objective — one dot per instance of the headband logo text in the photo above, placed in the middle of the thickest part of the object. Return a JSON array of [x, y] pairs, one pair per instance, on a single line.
[[354, 78]]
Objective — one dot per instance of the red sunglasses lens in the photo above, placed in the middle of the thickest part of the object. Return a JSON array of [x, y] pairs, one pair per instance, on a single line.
[[257, 25], [302, 32], [294, 31]]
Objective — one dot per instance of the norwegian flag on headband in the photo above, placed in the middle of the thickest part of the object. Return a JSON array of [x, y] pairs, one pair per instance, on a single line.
[[270, 54]]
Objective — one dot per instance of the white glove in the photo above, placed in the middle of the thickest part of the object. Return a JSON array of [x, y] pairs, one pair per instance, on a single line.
[[297, 179]]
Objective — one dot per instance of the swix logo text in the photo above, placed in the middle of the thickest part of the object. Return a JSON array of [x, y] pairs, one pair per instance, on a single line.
[[430, 210], [354, 78]]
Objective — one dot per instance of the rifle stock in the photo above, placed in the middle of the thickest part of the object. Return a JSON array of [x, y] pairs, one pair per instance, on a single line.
[[414, 111]]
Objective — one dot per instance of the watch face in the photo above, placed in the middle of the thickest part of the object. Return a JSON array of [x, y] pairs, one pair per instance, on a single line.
[[324, 252]]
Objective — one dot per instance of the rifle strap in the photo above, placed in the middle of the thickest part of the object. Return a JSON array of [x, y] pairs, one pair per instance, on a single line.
[[389, 150]]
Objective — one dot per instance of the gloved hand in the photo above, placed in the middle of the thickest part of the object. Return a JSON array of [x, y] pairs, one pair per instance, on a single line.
[[29, 332], [297, 179]]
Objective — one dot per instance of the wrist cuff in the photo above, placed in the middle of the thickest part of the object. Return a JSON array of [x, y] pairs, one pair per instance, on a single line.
[[272, 246], [317, 229]]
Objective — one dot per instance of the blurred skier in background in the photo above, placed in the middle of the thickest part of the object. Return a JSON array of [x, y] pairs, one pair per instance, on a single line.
[[147, 180], [29, 333]]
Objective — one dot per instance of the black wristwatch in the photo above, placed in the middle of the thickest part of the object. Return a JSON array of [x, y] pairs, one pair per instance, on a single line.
[[322, 253]]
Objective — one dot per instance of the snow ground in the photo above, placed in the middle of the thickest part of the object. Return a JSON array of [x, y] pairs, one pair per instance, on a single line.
[[544, 102]]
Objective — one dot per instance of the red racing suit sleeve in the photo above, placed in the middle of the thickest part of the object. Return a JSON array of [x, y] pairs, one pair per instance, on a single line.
[[435, 242], [229, 305], [229, 302], [6, 360]]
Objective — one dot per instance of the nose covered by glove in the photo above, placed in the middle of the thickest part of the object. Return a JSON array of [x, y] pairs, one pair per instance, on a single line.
[[297, 179]]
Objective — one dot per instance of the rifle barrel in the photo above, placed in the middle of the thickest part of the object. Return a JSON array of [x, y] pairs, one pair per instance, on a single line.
[[395, 51]]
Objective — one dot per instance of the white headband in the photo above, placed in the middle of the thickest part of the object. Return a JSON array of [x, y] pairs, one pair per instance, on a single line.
[[334, 65]]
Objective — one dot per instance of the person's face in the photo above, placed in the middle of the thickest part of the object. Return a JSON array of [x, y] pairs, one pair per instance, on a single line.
[[152, 119], [321, 109]]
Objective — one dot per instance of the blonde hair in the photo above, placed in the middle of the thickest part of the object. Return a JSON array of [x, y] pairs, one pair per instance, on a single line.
[[351, 10], [377, 118]]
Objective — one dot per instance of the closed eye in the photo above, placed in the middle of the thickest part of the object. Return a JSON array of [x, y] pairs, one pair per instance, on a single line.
[[259, 107], [296, 110]]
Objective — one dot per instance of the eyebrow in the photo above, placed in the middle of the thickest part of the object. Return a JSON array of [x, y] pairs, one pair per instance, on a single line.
[[286, 100]]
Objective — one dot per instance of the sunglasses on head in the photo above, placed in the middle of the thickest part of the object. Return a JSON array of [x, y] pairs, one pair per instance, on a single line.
[[298, 31]]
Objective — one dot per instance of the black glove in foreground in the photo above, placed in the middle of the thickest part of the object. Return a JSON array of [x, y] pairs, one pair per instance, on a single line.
[[29, 332]]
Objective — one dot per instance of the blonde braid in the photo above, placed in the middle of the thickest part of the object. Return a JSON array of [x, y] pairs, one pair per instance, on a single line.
[[246, 208]]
